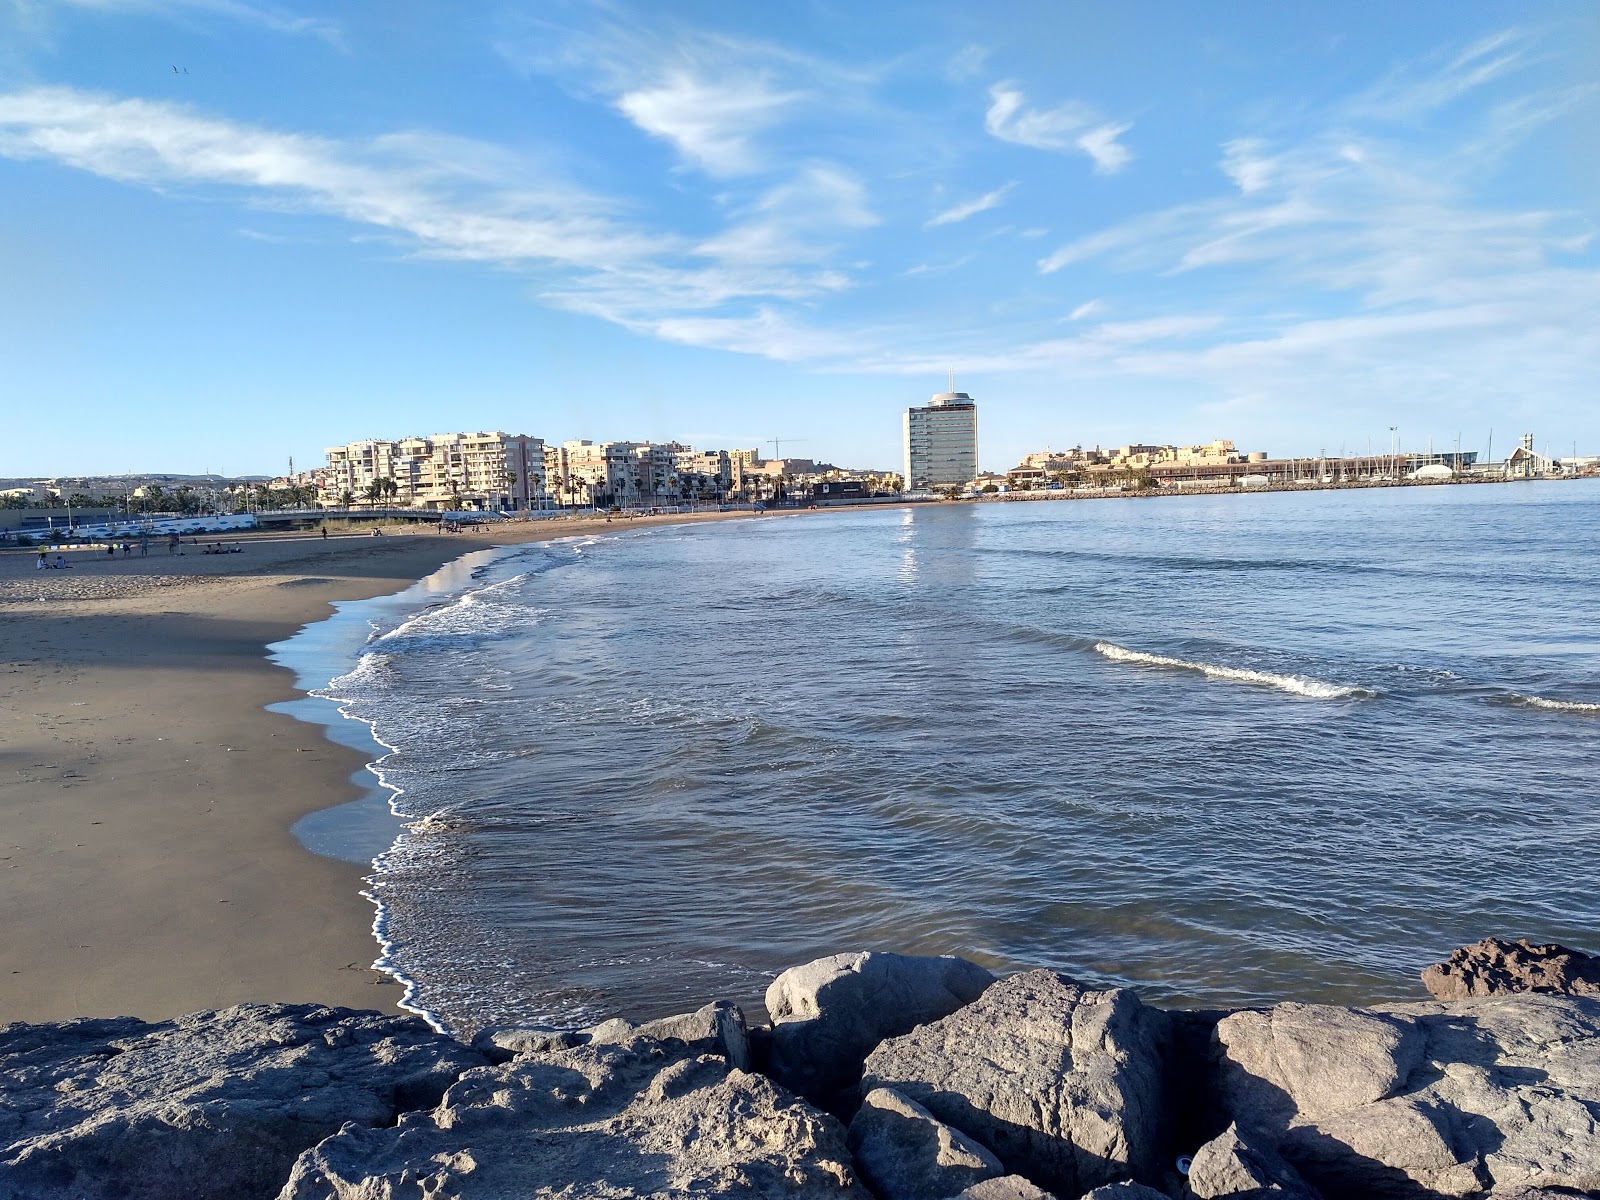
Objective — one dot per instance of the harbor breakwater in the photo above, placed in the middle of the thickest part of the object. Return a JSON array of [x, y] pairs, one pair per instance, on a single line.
[[880, 1075]]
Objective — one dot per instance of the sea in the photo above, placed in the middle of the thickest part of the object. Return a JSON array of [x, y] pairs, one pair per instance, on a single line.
[[1225, 749]]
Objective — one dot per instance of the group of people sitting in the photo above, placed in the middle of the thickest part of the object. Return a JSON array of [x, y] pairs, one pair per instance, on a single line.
[[221, 548], [44, 563]]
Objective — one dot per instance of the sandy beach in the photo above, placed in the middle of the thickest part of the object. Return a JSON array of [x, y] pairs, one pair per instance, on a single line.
[[146, 862]]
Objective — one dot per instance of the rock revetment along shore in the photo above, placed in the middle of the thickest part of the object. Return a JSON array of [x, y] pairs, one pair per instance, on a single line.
[[880, 1075]]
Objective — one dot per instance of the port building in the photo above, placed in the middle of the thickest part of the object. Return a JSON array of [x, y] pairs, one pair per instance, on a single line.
[[941, 442]]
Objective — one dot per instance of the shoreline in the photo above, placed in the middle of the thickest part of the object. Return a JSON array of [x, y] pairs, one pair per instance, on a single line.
[[150, 778]]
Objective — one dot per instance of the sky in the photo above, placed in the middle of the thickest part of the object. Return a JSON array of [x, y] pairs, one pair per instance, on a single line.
[[234, 233]]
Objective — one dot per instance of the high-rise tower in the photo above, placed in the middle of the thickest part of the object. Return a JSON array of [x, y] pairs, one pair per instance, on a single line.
[[941, 442]]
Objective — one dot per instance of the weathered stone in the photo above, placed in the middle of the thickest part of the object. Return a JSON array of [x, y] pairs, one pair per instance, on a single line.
[[717, 1028], [827, 1015], [635, 1119], [214, 1104], [905, 1153], [1243, 1167], [1061, 1082], [1423, 1100], [503, 1043], [1495, 967], [1006, 1187], [1126, 1190]]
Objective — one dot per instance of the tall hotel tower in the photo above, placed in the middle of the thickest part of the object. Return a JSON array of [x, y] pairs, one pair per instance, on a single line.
[[942, 442]]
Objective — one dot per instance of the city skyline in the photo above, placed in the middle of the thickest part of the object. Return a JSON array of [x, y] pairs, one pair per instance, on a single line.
[[239, 232]]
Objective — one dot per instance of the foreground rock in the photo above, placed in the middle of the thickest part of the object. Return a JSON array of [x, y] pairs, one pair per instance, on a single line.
[[1496, 967], [1061, 1082], [215, 1104], [636, 1119], [904, 1152], [1423, 1100], [1241, 1168], [828, 1015]]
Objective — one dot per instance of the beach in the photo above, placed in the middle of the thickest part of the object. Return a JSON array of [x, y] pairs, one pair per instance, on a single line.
[[146, 862]]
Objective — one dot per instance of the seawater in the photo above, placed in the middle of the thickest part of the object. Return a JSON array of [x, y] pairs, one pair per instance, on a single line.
[[1227, 749]]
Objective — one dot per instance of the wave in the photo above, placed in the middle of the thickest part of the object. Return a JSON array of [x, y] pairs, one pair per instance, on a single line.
[[1300, 685], [1574, 706]]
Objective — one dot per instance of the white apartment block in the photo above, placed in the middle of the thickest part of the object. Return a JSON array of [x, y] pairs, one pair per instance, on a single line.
[[704, 471], [493, 471]]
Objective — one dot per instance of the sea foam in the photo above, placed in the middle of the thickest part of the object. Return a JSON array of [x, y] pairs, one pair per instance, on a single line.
[[1300, 685], [1574, 706]]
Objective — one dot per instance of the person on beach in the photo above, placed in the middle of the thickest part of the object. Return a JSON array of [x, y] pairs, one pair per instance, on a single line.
[[144, 545], [62, 564], [324, 533], [172, 543], [44, 562], [111, 549]]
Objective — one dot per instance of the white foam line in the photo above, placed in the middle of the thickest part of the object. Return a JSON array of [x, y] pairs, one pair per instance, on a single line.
[[1300, 685], [1576, 706]]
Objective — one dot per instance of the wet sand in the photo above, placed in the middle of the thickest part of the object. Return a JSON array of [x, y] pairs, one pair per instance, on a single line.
[[146, 795]]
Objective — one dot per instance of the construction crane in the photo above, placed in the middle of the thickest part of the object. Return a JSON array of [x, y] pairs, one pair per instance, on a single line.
[[776, 442]]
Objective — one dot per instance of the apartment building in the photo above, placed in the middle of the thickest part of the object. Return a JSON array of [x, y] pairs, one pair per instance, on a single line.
[[488, 470], [704, 471]]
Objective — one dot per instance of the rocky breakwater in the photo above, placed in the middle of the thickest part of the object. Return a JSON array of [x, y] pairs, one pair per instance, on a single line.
[[880, 1076]]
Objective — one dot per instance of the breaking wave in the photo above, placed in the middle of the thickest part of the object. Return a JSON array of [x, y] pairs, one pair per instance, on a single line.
[[1300, 685], [1574, 706]]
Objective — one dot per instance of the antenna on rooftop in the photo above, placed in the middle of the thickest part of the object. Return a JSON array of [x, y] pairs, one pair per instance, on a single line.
[[952, 379]]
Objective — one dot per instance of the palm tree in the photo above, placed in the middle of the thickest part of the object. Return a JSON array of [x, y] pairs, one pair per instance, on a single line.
[[373, 492], [347, 499]]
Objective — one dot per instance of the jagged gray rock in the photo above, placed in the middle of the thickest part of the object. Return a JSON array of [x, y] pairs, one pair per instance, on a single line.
[[1062, 1082], [1126, 1190], [1242, 1167], [1495, 967], [1006, 1187], [211, 1105], [717, 1028], [640, 1118], [904, 1152], [827, 1015], [1423, 1100], [502, 1043]]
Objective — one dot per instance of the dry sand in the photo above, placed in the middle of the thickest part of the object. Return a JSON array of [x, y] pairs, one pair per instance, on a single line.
[[146, 795]]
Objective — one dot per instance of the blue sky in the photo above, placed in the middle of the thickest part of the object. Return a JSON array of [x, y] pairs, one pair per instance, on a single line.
[[1291, 224]]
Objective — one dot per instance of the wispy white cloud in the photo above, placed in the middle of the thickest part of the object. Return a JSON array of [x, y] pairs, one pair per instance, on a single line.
[[967, 63], [943, 268], [385, 183], [713, 123], [448, 197], [971, 208], [1417, 89], [797, 221], [262, 16], [1067, 127], [1088, 308]]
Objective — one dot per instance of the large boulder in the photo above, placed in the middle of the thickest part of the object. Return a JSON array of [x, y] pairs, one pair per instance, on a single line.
[[829, 1014], [1495, 967], [1061, 1081], [1422, 1100], [1241, 1167], [904, 1152], [628, 1119], [215, 1104]]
